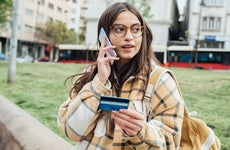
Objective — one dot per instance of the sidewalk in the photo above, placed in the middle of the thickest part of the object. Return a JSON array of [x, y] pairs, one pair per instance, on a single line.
[[31, 134]]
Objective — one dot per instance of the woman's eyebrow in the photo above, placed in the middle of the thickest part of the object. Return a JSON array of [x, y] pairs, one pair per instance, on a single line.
[[125, 25]]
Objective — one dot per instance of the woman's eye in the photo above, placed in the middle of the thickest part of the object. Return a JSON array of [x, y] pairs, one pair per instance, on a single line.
[[136, 29], [119, 29]]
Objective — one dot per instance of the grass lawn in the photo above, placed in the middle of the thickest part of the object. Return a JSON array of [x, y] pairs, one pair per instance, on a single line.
[[39, 89]]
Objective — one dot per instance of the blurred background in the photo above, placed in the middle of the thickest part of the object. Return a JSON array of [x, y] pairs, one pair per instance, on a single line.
[[49, 40], [187, 33]]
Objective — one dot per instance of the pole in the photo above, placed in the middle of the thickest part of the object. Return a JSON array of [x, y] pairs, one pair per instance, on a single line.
[[36, 38], [13, 43], [198, 35]]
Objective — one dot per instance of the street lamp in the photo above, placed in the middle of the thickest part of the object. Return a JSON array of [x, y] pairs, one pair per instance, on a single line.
[[198, 34]]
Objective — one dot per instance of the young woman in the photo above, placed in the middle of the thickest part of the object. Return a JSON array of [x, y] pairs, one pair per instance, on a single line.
[[79, 116]]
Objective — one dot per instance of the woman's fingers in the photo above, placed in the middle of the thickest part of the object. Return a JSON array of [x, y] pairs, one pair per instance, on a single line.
[[103, 62], [129, 120]]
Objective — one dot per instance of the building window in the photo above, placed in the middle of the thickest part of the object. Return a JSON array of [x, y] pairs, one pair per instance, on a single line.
[[218, 23], [38, 31], [211, 23], [29, 12], [41, 2], [40, 17], [214, 2], [73, 20], [204, 23], [51, 6], [212, 44], [59, 9], [49, 18], [28, 28]]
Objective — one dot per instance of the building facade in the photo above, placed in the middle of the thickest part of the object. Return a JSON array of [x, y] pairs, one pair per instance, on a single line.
[[32, 16], [189, 31], [183, 30], [208, 35], [207, 26], [164, 17]]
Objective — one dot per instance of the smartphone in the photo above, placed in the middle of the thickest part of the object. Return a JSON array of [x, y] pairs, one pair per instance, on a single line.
[[108, 43], [113, 103]]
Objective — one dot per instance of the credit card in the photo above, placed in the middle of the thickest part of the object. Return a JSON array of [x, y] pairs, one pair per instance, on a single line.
[[113, 103], [108, 43]]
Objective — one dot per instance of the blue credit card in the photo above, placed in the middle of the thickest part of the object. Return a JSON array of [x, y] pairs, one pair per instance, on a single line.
[[113, 103]]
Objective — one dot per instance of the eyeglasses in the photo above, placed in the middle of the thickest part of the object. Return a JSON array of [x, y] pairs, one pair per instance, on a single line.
[[120, 30]]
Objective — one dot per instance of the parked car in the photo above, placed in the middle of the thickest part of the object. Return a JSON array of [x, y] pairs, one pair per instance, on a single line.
[[26, 58], [2, 56], [44, 59]]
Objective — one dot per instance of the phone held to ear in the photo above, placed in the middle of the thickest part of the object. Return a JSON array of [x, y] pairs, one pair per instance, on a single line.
[[108, 43], [113, 103]]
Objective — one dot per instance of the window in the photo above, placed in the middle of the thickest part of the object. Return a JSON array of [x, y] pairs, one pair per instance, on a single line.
[[73, 20], [210, 57], [212, 44], [41, 2], [49, 18], [29, 12], [59, 9], [40, 17], [211, 23], [204, 23], [218, 23], [28, 28], [51, 6], [38, 31], [179, 56], [214, 2]]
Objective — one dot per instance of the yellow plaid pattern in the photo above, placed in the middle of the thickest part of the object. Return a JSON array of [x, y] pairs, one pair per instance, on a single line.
[[77, 117]]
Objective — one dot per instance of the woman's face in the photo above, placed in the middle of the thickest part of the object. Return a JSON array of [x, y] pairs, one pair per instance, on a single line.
[[126, 35]]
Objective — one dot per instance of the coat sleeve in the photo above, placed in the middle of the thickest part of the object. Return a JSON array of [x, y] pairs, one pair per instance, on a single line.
[[77, 116], [163, 131]]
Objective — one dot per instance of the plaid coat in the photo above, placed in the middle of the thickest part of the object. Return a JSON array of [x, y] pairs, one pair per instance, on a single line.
[[77, 117]]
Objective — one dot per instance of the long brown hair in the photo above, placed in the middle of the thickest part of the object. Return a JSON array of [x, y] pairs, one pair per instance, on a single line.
[[141, 62]]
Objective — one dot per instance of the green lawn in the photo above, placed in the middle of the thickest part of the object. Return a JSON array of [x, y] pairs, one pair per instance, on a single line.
[[39, 89]]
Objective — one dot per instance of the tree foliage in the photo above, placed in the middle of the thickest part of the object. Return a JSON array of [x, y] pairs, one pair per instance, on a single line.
[[144, 6], [56, 32], [5, 10]]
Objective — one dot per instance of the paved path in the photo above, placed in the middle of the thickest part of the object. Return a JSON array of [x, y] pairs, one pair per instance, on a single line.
[[31, 133]]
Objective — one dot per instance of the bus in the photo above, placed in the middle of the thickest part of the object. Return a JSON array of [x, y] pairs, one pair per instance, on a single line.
[[174, 56], [71, 53], [203, 58]]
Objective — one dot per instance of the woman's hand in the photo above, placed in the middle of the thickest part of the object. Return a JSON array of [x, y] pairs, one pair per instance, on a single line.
[[103, 62], [130, 121]]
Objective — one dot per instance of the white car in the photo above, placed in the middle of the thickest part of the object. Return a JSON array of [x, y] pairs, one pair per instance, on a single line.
[[26, 58]]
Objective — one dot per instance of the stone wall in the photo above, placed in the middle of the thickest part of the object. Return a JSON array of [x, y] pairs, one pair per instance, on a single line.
[[28, 131]]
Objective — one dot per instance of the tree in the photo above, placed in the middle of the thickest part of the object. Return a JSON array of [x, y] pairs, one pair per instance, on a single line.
[[144, 6], [56, 32], [5, 10]]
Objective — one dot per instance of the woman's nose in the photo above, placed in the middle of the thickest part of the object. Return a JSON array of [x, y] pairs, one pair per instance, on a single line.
[[128, 35]]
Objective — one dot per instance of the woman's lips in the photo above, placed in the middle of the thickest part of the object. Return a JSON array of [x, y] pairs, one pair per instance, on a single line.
[[127, 47]]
